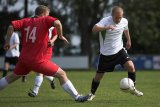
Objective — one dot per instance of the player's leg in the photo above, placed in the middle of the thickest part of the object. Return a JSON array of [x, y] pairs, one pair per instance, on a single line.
[[5, 70], [14, 61], [105, 64], [51, 69], [95, 84], [96, 81], [19, 70], [37, 83], [6, 66], [68, 86], [66, 83], [126, 62], [52, 81], [129, 66], [7, 80]]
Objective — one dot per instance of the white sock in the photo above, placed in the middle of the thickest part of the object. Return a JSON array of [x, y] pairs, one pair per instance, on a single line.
[[50, 78], [37, 83], [70, 89], [3, 83]]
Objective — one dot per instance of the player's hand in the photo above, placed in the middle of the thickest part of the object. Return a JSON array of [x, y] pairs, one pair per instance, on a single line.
[[128, 45], [111, 27], [6, 46], [64, 39], [50, 43]]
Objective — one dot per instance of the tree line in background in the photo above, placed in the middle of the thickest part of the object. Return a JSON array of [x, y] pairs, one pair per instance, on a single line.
[[79, 16]]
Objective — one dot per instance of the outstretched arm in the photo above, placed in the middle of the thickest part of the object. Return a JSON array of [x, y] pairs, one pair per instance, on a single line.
[[99, 28], [58, 26]]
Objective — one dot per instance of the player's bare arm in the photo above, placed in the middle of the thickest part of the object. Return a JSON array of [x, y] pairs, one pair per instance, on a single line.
[[127, 35], [99, 28], [58, 25], [9, 33]]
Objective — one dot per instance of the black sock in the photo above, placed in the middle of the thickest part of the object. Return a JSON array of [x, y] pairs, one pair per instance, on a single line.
[[24, 78], [132, 76], [94, 86], [4, 73]]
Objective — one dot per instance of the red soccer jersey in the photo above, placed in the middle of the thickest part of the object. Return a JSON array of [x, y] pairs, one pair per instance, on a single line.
[[34, 32], [52, 33]]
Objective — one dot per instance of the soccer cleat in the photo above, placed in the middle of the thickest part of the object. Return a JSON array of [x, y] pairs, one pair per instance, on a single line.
[[32, 94], [90, 97], [136, 92], [53, 84], [82, 98]]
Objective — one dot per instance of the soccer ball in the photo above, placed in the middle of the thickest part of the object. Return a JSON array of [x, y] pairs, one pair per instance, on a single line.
[[126, 85]]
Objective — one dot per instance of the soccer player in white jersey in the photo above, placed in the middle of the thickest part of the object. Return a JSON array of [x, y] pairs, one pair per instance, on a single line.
[[39, 78], [11, 56], [110, 30]]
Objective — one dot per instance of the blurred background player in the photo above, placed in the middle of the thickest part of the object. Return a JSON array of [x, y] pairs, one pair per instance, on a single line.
[[34, 33], [112, 52], [12, 54], [39, 78]]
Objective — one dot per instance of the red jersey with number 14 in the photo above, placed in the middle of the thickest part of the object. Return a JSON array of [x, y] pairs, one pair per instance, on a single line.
[[34, 32]]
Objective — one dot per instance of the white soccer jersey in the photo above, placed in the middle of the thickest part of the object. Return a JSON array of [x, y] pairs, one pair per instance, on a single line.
[[111, 40], [13, 40], [50, 32]]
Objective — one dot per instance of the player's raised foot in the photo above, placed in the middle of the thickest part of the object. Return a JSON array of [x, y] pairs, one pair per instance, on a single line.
[[82, 98], [136, 92], [90, 96], [53, 86], [32, 93]]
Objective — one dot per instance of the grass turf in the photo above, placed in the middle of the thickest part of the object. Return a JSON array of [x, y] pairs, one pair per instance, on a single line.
[[107, 95]]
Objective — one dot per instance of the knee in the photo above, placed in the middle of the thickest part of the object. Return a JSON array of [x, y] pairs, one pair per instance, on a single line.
[[12, 77], [61, 74], [131, 68]]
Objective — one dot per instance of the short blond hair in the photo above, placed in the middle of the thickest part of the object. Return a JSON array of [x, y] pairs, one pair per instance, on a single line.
[[41, 9]]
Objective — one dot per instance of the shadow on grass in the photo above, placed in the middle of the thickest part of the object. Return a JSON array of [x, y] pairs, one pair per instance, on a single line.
[[108, 101], [39, 100]]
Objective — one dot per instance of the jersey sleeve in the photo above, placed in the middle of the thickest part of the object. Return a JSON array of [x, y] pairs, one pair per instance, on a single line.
[[49, 21], [102, 23], [16, 38], [17, 24], [126, 26]]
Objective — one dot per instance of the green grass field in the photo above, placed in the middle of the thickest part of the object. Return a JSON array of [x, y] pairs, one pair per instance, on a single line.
[[108, 94]]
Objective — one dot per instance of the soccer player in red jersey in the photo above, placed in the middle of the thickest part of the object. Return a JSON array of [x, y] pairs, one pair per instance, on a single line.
[[34, 33]]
